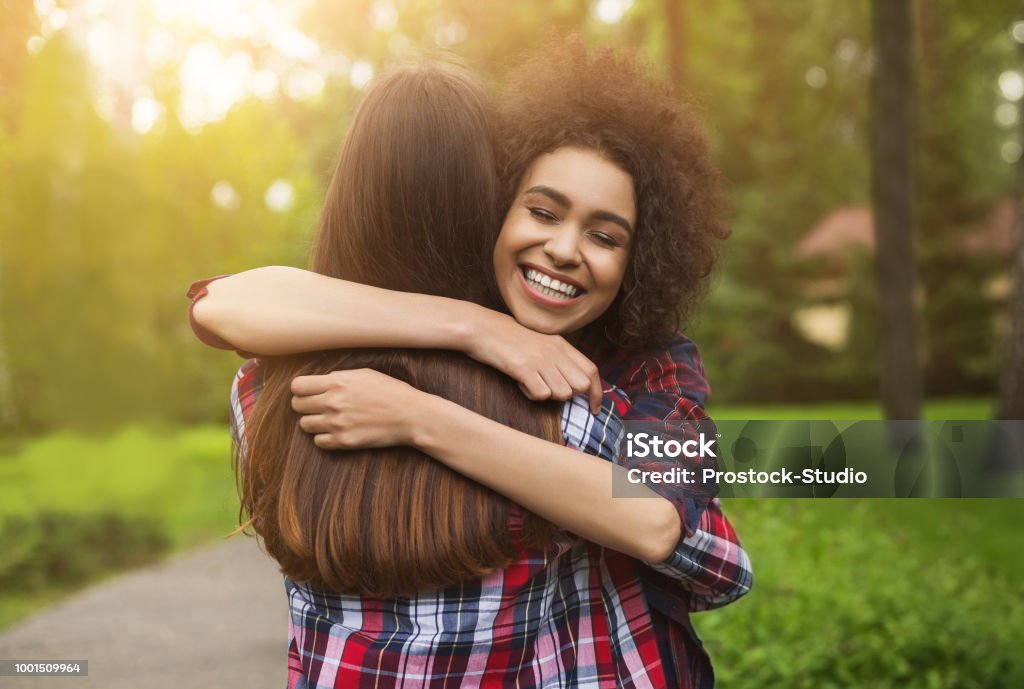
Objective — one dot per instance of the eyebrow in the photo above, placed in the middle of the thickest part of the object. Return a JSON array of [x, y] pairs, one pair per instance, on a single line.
[[562, 199]]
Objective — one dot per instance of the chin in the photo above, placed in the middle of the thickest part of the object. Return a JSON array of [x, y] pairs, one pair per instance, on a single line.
[[541, 324], [544, 327]]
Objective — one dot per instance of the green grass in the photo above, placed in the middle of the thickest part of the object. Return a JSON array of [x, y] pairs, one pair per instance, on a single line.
[[874, 593], [952, 409]]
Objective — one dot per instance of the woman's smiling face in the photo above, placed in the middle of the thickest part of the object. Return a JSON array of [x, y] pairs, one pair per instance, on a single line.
[[565, 243]]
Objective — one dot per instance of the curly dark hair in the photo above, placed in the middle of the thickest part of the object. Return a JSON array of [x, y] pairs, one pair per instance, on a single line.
[[609, 101]]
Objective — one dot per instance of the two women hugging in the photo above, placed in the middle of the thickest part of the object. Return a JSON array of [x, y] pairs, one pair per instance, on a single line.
[[426, 440]]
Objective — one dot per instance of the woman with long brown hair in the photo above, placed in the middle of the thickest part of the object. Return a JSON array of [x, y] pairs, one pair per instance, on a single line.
[[393, 521]]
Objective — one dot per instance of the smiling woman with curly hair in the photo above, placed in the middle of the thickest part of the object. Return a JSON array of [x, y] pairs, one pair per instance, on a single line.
[[609, 102]]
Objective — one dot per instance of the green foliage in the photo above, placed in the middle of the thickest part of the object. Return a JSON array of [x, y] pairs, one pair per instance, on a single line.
[[879, 593], [804, 153], [56, 549], [952, 409], [183, 480], [847, 593], [103, 232], [791, 153], [960, 176], [74, 508], [102, 229]]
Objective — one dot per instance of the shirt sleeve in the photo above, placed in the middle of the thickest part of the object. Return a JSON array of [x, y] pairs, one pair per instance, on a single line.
[[668, 385], [245, 390], [709, 567], [595, 434], [711, 564]]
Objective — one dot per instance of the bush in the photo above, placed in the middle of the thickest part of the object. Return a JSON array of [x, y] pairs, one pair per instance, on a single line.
[[74, 507], [878, 593], [58, 549]]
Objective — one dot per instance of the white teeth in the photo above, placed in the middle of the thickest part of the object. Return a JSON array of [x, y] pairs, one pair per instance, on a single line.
[[545, 284]]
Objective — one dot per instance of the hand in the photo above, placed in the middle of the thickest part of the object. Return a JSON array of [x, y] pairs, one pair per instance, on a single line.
[[353, 409], [545, 366]]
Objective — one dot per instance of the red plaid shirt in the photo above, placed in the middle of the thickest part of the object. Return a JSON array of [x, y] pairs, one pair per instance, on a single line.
[[668, 384], [574, 614]]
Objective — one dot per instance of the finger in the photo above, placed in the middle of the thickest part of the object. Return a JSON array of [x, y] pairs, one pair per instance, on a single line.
[[577, 379], [560, 388], [310, 385], [581, 359], [314, 423], [326, 441], [535, 388], [582, 384], [594, 387], [310, 404], [596, 394]]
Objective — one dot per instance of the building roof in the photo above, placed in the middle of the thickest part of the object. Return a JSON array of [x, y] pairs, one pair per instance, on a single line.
[[842, 228], [853, 226]]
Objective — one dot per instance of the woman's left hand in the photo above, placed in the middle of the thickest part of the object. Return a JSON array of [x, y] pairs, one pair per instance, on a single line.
[[358, 408]]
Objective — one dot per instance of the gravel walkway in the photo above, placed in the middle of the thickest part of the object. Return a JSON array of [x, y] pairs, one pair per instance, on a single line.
[[211, 618]]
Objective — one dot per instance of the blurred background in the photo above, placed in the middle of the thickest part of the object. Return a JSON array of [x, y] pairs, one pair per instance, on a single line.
[[148, 143]]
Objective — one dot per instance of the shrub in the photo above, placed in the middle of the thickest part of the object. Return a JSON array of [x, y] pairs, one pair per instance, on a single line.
[[874, 593], [59, 549]]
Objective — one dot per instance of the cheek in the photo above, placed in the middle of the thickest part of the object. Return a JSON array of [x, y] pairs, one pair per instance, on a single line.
[[614, 275], [500, 257], [507, 246]]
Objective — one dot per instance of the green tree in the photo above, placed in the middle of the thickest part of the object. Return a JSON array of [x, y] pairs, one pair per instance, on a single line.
[[959, 178], [102, 231]]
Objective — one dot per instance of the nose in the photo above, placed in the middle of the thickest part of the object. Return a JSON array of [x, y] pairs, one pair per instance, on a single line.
[[563, 247]]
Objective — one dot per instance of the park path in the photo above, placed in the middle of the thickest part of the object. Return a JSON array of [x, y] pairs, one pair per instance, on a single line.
[[210, 618]]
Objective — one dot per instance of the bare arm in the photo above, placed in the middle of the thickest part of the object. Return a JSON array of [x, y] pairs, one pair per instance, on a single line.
[[364, 408], [280, 310], [571, 489]]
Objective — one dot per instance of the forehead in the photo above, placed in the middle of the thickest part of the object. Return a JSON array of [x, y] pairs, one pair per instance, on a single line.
[[587, 178]]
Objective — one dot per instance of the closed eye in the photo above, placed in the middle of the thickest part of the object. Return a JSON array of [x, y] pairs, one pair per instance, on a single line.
[[604, 239], [543, 214]]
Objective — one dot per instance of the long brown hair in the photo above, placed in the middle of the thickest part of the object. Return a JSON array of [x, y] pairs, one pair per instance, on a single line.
[[411, 206]]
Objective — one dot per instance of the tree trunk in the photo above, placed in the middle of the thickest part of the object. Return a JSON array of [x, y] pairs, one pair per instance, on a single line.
[[1011, 398], [893, 199], [675, 38]]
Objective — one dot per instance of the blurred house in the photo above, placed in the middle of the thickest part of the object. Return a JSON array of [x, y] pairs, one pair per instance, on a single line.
[[845, 235], [845, 227]]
